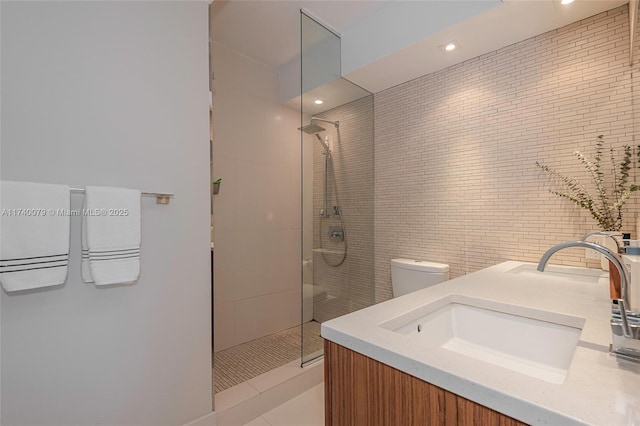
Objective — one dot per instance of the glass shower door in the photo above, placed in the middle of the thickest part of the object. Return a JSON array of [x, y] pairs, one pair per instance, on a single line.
[[336, 124]]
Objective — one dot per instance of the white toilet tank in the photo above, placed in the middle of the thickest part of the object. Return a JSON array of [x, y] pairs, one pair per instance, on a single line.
[[408, 275]]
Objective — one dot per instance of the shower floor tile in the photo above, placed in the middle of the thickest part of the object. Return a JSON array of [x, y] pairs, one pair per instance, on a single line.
[[248, 360]]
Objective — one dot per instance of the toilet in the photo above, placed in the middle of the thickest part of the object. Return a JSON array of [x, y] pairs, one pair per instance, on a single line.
[[408, 275]]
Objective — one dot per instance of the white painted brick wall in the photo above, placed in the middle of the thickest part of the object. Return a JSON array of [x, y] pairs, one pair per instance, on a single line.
[[350, 285], [455, 151]]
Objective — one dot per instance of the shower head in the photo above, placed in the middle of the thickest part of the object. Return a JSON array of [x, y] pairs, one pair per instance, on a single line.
[[335, 123], [312, 129]]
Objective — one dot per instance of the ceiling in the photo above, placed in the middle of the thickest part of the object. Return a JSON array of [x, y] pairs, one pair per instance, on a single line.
[[385, 43], [269, 30]]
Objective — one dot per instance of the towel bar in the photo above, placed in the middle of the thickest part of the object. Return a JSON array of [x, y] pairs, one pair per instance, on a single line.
[[161, 198]]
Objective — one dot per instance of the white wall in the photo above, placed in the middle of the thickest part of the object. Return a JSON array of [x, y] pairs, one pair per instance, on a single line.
[[257, 212], [401, 24], [111, 93], [0, 178]]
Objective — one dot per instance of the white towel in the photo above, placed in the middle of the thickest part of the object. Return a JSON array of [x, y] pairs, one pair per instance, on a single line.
[[84, 265], [112, 225], [34, 234]]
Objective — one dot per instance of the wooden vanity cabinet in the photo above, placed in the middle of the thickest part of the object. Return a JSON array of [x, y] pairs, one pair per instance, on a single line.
[[362, 391]]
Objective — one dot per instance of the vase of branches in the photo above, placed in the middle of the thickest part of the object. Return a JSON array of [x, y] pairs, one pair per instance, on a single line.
[[610, 196]]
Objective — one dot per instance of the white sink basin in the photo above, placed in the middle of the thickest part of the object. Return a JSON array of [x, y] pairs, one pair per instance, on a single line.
[[536, 343], [560, 272]]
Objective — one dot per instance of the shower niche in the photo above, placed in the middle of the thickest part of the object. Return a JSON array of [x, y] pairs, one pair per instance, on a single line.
[[336, 136]]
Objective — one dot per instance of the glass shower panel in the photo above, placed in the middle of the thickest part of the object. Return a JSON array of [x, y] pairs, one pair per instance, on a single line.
[[336, 126]]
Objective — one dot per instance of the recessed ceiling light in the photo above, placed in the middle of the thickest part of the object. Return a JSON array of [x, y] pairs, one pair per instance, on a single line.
[[449, 46], [566, 1], [318, 102]]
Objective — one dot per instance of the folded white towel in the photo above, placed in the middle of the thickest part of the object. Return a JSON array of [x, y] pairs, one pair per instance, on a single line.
[[84, 264], [34, 234], [112, 224]]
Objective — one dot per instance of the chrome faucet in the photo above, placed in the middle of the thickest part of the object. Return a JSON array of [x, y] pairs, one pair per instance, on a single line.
[[597, 247], [625, 324]]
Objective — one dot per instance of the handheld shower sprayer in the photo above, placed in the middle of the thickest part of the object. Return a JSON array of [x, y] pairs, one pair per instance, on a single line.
[[324, 143], [336, 233]]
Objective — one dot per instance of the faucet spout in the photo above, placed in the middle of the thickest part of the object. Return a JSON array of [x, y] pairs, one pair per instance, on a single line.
[[628, 329], [597, 247]]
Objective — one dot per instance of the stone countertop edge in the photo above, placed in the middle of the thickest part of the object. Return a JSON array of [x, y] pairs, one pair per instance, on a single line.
[[600, 389]]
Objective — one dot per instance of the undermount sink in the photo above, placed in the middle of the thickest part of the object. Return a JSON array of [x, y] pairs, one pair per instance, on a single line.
[[559, 272], [536, 343]]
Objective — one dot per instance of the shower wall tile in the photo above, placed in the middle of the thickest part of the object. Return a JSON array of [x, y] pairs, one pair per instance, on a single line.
[[257, 316], [455, 150], [349, 286], [246, 101], [256, 152], [228, 189], [225, 313], [229, 257], [265, 270], [294, 304], [267, 200]]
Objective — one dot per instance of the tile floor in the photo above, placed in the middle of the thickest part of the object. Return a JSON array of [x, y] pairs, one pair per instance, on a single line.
[[306, 409], [236, 365], [242, 403]]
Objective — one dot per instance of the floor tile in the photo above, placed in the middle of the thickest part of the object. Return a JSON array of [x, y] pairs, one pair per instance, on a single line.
[[248, 360], [307, 409], [258, 422], [234, 395], [274, 377], [236, 411]]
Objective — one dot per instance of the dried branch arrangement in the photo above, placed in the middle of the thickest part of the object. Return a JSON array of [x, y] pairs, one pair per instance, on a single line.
[[606, 205]]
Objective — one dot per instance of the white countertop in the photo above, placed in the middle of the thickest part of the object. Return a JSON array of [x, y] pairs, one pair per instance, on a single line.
[[600, 389]]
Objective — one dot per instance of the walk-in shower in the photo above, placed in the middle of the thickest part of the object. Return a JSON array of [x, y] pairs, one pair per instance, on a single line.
[[287, 294]]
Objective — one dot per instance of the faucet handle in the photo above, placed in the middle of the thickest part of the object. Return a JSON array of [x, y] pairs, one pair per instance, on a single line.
[[626, 330]]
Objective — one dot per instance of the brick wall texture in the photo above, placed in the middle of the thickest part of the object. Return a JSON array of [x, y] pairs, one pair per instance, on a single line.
[[349, 286], [455, 151]]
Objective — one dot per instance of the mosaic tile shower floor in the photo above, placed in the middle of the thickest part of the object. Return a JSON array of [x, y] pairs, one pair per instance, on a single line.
[[251, 359]]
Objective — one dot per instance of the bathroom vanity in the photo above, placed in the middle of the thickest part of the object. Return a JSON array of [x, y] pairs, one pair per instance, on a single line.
[[506, 345], [362, 391]]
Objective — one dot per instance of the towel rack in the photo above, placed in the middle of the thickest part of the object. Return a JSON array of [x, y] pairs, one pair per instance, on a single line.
[[161, 198]]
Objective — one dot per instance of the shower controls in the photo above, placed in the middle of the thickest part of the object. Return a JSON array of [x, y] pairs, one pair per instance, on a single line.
[[328, 213], [336, 233]]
